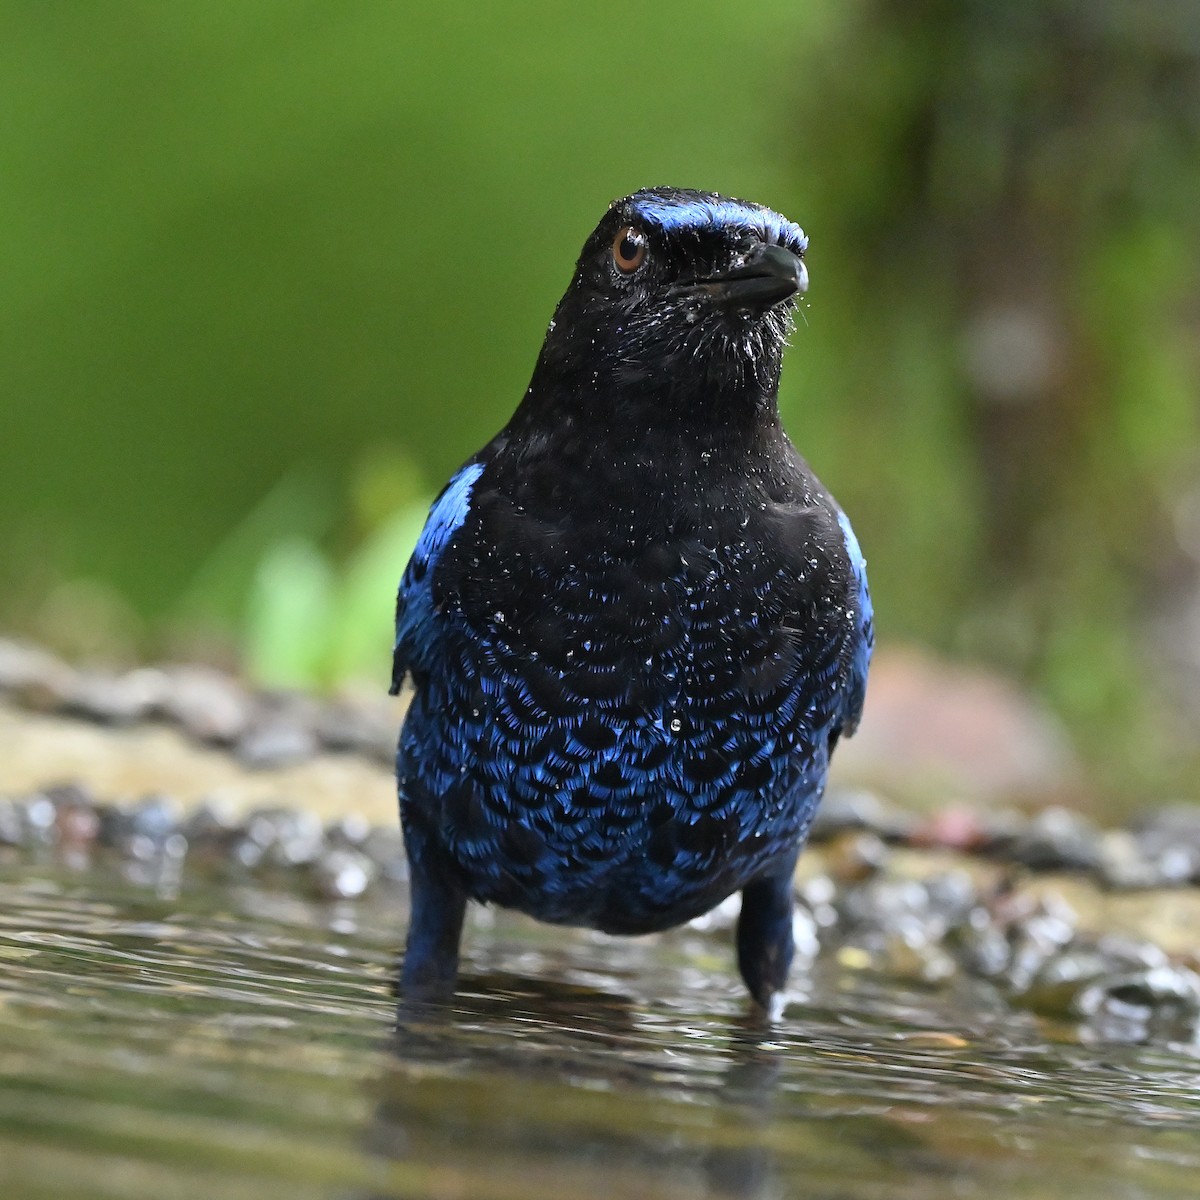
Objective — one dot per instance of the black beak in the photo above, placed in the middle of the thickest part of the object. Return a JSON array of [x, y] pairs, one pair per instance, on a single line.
[[767, 276]]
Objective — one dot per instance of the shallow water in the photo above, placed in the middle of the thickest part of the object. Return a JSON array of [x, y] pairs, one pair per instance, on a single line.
[[234, 1042]]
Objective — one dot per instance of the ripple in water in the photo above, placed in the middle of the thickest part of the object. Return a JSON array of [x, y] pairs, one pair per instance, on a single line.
[[242, 1043]]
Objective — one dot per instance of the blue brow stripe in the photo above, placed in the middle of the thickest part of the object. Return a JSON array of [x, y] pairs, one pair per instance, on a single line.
[[670, 216]]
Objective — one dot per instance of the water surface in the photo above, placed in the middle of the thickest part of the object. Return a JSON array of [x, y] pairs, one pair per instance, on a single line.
[[233, 1042]]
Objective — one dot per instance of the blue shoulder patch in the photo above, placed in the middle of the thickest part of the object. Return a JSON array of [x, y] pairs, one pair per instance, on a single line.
[[414, 603], [861, 661], [449, 511]]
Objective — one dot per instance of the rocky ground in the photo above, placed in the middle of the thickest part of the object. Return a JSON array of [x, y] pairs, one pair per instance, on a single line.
[[164, 772]]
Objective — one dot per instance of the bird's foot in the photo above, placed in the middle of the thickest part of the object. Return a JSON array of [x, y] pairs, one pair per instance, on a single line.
[[764, 941]]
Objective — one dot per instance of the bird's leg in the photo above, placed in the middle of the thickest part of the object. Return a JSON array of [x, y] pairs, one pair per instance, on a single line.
[[764, 937], [437, 904]]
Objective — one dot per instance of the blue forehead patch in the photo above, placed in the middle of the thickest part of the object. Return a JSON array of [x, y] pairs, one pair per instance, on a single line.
[[676, 214]]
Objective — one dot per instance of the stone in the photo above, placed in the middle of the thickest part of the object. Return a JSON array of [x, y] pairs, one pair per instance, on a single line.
[[275, 742], [33, 677], [1169, 837], [343, 874], [118, 699], [845, 809], [208, 706], [932, 729], [855, 857], [1058, 839]]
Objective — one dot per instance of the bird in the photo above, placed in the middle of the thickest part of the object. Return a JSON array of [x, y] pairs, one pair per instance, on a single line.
[[635, 623]]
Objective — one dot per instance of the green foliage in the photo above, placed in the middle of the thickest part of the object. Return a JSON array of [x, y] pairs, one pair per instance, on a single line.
[[251, 234], [303, 619], [1020, 177], [307, 624], [260, 258]]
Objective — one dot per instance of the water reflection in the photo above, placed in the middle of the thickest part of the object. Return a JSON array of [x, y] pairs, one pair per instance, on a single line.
[[585, 1087], [238, 1043], [497, 1059], [746, 1167]]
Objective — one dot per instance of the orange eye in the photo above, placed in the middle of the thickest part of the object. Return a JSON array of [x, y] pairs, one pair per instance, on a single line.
[[629, 249]]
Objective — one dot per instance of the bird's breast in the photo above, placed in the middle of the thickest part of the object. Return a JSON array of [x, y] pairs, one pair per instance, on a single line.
[[626, 707], [684, 648]]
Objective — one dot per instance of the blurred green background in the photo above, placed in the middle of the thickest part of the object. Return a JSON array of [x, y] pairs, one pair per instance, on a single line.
[[270, 270]]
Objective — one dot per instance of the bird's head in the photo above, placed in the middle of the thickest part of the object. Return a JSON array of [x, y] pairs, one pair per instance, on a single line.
[[681, 292]]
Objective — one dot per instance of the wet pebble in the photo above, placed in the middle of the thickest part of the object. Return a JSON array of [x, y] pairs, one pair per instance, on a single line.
[[1124, 866], [1055, 989], [276, 742], [1057, 839], [358, 727], [819, 894], [208, 706], [1039, 936], [1160, 1002], [351, 831], [38, 819], [953, 829], [952, 895], [343, 874], [806, 935], [212, 821], [845, 809], [1165, 987], [66, 815], [384, 846], [1169, 837], [151, 840], [117, 699], [299, 840], [154, 818], [259, 833], [969, 830], [1115, 975], [114, 826], [899, 927], [10, 823], [20, 663], [907, 959], [212, 831], [77, 824], [1125, 953], [981, 945], [917, 960], [156, 864], [856, 856], [34, 678], [279, 837]]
